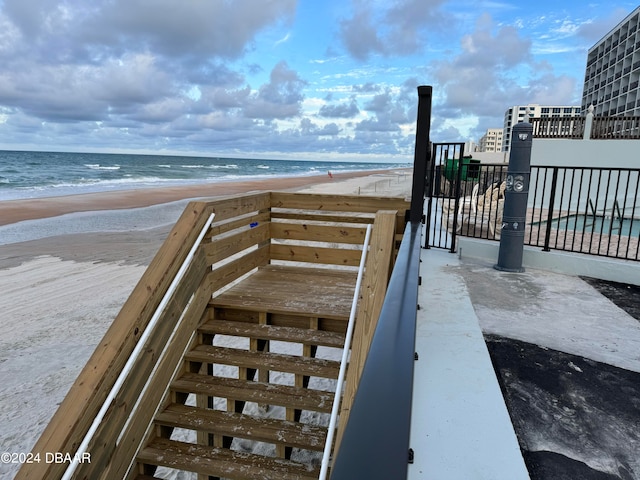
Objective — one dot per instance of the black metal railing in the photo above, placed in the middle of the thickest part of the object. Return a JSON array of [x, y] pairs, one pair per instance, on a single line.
[[375, 443], [587, 210], [575, 209], [466, 198]]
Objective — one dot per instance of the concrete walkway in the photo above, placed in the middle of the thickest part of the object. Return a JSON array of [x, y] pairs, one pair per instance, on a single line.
[[460, 425]]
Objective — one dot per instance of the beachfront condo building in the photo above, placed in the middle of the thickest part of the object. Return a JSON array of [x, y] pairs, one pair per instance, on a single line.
[[518, 114], [492, 140], [613, 71]]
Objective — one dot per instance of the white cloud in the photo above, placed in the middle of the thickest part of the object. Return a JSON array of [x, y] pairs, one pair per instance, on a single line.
[[249, 74], [284, 39], [395, 28]]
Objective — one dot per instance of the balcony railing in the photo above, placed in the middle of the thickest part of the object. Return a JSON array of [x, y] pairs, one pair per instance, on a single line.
[[615, 128], [599, 128], [558, 127]]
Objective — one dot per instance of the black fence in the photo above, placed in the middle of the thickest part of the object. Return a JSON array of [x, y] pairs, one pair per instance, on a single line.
[[587, 210], [464, 197]]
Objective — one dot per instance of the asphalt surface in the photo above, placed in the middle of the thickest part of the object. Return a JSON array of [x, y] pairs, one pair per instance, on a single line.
[[624, 295], [575, 418]]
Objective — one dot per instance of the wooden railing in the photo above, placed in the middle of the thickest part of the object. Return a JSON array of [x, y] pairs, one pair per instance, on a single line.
[[248, 231]]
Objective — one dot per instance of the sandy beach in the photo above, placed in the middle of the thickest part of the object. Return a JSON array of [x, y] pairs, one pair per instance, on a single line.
[[67, 265]]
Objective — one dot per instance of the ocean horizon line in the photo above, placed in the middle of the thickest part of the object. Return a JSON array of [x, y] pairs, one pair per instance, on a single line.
[[337, 158], [37, 174]]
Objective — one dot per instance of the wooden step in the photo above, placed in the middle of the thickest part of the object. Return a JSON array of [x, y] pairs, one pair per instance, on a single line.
[[319, 292], [258, 392], [270, 430], [219, 462], [270, 332], [314, 367]]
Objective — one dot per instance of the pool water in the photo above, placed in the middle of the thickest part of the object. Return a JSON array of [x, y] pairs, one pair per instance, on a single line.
[[589, 224]]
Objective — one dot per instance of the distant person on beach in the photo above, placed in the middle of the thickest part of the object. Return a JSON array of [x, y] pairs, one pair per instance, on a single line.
[[330, 174]]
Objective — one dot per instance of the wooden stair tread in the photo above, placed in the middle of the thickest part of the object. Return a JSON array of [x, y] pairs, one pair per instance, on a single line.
[[322, 292], [270, 332], [259, 392], [271, 430], [221, 462], [315, 367]]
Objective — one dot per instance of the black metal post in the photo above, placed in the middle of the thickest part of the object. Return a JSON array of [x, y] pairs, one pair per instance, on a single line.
[[515, 200], [422, 154], [454, 229], [552, 201], [433, 183]]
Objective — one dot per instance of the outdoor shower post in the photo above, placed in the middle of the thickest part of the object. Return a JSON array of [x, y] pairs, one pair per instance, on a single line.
[[515, 200]]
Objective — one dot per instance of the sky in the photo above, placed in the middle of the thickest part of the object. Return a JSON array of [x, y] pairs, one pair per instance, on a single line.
[[307, 79]]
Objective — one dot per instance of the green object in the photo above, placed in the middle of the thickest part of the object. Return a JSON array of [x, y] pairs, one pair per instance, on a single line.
[[470, 169]]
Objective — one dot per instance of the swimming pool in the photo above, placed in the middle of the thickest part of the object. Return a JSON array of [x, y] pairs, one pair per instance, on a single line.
[[595, 224]]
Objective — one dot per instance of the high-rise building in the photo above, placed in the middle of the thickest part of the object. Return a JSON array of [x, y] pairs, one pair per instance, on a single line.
[[518, 113], [613, 71], [491, 141]]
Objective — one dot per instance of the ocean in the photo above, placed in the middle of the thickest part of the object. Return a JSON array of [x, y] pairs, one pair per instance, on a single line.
[[26, 174]]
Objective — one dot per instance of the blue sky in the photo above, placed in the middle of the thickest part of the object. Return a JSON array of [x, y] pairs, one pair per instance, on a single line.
[[282, 78]]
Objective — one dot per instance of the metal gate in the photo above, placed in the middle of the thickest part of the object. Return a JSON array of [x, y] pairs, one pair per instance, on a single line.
[[459, 197], [442, 192]]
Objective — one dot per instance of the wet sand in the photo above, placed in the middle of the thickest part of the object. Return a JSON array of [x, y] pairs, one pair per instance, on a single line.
[[12, 211]]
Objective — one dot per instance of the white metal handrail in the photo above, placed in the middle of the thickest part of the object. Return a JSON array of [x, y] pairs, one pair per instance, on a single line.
[[135, 353], [324, 467]]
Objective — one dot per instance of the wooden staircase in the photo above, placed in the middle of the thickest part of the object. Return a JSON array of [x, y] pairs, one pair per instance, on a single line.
[[237, 378], [242, 389]]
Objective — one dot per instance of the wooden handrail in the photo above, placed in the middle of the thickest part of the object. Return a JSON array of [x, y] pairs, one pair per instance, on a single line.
[[131, 388], [242, 229], [72, 420]]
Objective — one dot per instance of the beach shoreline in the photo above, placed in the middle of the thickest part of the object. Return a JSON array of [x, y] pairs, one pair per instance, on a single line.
[[12, 211]]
